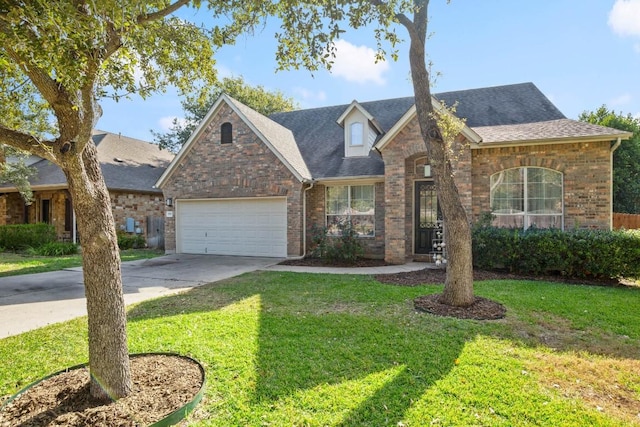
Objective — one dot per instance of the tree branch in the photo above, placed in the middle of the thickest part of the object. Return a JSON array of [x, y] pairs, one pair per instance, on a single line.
[[52, 92], [149, 17], [26, 142]]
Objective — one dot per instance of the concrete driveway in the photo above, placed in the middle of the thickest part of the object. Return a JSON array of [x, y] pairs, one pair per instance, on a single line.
[[34, 300]]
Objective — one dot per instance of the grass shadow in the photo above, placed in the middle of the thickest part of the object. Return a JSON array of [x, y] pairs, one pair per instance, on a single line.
[[318, 350], [318, 332]]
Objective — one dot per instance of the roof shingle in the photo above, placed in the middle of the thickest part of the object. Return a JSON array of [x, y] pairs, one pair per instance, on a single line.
[[126, 163]]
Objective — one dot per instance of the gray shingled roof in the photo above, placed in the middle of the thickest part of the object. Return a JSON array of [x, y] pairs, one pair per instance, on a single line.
[[127, 164], [519, 111], [278, 136], [547, 130], [501, 105]]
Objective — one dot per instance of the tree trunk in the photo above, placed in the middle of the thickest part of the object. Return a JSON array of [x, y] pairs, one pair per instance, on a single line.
[[108, 351], [458, 288]]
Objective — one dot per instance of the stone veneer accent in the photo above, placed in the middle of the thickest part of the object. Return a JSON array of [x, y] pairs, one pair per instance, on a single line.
[[586, 169], [138, 206], [244, 168]]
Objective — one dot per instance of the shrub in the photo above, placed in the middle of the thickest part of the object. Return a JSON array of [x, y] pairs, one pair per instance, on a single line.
[[130, 241], [22, 236], [56, 249], [343, 249], [576, 253]]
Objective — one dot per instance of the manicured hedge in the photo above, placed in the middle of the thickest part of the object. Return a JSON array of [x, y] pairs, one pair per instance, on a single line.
[[22, 236], [574, 253]]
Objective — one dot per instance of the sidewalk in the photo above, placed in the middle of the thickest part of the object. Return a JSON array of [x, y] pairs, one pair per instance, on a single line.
[[385, 269]]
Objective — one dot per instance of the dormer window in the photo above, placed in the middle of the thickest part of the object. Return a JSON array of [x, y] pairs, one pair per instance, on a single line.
[[226, 133], [356, 134], [360, 130]]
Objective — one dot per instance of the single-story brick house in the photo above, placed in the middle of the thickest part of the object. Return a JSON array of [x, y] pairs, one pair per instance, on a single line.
[[130, 168], [246, 184]]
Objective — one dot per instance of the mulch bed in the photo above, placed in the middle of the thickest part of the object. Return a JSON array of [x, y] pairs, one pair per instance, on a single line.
[[162, 384]]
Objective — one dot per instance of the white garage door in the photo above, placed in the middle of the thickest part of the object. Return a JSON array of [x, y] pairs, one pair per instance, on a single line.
[[248, 227]]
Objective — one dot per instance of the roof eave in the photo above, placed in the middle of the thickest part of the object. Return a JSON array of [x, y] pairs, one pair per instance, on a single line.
[[471, 135], [556, 140], [187, 146], [360, 178]]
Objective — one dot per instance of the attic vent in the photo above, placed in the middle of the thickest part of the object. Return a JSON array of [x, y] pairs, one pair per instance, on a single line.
[[117, 159]]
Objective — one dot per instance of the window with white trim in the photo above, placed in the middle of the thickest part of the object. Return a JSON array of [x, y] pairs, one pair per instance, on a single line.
[[526, 197], [356, 134], [351, 203]]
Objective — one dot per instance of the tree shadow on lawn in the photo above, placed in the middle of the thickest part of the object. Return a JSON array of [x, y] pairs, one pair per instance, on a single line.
[[378, 354], [316, 332]]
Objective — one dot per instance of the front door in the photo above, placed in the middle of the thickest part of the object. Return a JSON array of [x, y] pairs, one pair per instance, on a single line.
[[428, 218]]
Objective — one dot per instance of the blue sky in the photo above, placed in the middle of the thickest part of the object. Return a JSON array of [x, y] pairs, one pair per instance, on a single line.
[[580, 53]]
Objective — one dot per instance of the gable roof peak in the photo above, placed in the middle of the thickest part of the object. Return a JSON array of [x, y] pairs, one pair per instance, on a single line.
[[276, 137], [355, 105]]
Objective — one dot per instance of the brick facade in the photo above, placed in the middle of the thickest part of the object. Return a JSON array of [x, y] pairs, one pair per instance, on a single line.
[[243, 169], [248, 168], [586, 169], [404, 160], [138, 206]]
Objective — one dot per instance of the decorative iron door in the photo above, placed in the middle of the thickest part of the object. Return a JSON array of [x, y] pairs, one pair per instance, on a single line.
[[428, 218]]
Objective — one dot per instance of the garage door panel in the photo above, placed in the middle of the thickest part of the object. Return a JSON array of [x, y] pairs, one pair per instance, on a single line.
[[252, 227]]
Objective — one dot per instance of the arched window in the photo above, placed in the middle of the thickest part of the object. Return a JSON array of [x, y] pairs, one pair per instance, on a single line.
[[226, 133], [356, 134], [527, 196]]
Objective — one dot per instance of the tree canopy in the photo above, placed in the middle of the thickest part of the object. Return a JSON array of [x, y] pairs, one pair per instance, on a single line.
[[626, 159], [59, 58], [257, 97]]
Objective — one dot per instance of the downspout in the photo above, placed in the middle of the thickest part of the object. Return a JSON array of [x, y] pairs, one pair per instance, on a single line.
[[304, 216], [613, 148]]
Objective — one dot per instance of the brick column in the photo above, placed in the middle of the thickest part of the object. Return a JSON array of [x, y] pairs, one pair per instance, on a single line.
[[394, 222]]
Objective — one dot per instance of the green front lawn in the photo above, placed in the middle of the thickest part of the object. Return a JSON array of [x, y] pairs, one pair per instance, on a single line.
[[287, 349], [13, 264]]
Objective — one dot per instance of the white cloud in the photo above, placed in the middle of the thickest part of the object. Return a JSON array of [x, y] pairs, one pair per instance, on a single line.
[[358, 64], [166, 123], [624, 17], [309, 96]]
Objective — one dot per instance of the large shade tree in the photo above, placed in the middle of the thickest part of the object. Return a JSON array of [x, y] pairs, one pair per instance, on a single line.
[[312, 27], [57, 60]]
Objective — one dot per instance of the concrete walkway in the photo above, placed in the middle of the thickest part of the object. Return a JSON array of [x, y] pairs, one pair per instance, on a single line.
[[34, 300], [387, 269]]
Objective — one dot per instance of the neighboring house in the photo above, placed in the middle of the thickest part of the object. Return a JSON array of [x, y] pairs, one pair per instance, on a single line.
[[246, 184], [130, 168]]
